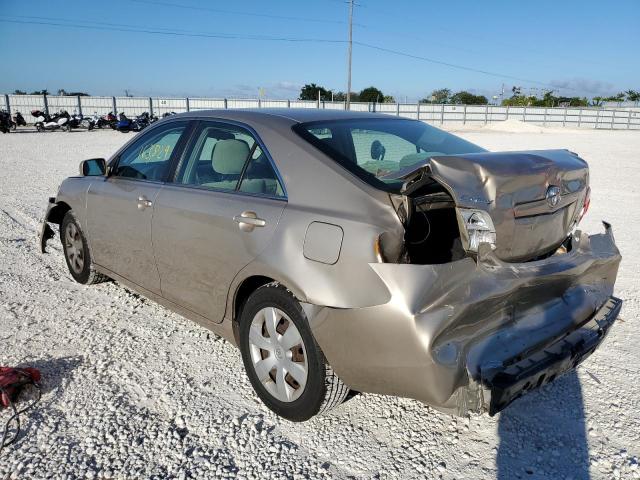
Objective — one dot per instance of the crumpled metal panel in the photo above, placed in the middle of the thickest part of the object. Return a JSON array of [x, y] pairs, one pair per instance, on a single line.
[[512, 188], [445, 321]]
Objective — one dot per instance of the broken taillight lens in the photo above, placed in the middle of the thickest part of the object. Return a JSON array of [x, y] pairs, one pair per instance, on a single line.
[[479, 227]]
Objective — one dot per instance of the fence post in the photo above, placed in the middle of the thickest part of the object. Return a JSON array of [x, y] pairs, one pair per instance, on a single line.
[[507, 113], [464, 115], [188, 104], [418, 111], [259, 103], [226, 105], [580, 117], [486, 114], [79, 106], [613, 117], [597, 118], [397, 109], [564, 119], [150, 106], [628, 118], [288, 103], [544, 119], [46, 103], [115, 106], [8, 105], [442, 114], [524, 114]]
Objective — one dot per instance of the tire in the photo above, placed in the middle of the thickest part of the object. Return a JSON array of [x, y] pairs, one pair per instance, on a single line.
[[77, 253], [272, 308]]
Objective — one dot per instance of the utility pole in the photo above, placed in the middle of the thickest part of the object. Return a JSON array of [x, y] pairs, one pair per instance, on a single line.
[[349, 61]]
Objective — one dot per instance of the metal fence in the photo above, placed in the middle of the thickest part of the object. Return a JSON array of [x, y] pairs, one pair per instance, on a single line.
[[583, 117]]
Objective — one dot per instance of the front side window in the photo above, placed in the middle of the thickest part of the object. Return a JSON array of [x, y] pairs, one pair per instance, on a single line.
[[227, 157], [150, 156], [376, 148]]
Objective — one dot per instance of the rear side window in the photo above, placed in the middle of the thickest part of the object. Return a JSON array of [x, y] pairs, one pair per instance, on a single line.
[[375, 149], [260, 177]]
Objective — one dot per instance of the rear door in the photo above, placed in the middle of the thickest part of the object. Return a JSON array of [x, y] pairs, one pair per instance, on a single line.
[[120, 207], [219, 213]]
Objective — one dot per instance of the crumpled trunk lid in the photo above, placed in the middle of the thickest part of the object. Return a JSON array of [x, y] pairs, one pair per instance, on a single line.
[[534, 197]]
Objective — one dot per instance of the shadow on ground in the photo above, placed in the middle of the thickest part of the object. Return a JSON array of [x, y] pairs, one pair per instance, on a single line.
[[543, 435]]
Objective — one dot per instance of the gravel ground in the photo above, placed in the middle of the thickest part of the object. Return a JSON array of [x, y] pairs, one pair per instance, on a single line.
[[132, 390]]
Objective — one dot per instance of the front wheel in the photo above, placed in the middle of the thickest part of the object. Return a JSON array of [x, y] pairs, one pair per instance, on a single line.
[[284, 363], [76, 252]]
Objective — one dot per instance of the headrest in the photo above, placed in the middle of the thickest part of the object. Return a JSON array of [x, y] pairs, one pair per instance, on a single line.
[[228, 156]]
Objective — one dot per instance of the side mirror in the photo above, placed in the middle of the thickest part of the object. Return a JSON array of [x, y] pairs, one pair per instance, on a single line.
[[93, 167]]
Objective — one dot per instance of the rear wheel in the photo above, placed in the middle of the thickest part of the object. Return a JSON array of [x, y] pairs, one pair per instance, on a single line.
[[284, 363], [76, 252]]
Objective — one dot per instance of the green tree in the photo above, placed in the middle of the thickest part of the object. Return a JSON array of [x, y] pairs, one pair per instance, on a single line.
[[371, 94], [465, 98], [310, 92], [389, 99], [440, 95], [341, 97], [40, 92], [19, 92], [615, 98], [633, 95], [596, 101]]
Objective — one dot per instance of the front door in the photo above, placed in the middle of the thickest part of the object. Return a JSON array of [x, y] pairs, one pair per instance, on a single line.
[[120, 207], [216, 217]]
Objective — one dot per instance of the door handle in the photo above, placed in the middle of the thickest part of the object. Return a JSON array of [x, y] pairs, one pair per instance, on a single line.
[[247, 221], [144, 202]]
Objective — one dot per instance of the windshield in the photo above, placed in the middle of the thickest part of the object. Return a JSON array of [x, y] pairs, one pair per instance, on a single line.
[[375, 149]]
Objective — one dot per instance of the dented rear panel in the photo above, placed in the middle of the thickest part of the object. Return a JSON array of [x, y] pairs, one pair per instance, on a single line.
[[448, 325]]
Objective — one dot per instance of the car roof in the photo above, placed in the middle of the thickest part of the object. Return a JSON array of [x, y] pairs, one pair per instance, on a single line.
[[297, 115]]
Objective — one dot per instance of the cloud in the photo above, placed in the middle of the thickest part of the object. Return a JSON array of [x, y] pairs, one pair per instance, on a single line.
[[289, 86], [584, 87], [282, 89]]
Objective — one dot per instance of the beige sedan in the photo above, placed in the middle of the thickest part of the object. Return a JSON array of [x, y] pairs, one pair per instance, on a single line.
[[351, 252]]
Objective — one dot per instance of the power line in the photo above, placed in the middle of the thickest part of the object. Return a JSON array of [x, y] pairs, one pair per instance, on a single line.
[[125, 28], [459, 67], [237, 12]]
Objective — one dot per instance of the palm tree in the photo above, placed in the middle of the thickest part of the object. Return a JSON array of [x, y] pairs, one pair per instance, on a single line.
[[633, 95]]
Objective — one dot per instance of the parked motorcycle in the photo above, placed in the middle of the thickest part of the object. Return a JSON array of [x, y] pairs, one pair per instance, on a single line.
[[125, 124], [108, 120], [145, 119], [80, 121], [45, 122], [18, 121], [5, 121]]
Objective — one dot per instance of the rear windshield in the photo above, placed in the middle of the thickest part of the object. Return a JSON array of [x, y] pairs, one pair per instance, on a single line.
[[376, 148]]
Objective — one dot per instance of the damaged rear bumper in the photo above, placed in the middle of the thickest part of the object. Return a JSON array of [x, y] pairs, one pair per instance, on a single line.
[[515, 378], [473, 336]]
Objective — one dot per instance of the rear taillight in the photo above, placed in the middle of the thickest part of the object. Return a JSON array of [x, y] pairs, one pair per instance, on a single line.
[[585, 205]]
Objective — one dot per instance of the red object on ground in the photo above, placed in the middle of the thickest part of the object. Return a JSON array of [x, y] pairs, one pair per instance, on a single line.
[[12, 380]]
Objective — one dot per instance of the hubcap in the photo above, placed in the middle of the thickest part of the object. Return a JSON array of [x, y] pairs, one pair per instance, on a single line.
[[278, 354], [74, 248]]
